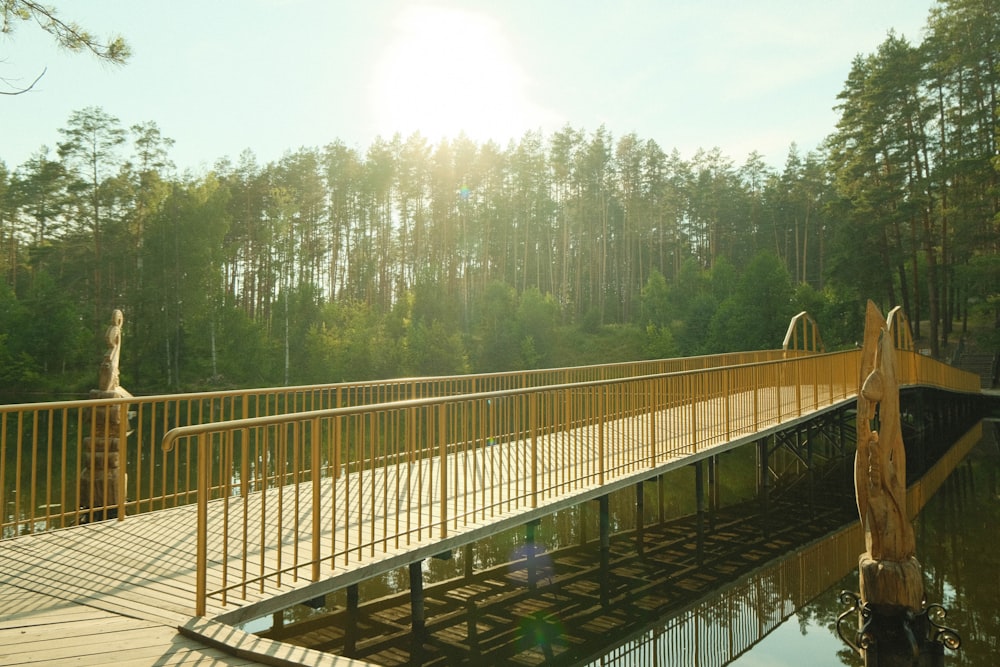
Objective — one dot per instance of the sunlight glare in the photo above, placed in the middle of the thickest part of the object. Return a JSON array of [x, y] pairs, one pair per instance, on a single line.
[[448, 71]]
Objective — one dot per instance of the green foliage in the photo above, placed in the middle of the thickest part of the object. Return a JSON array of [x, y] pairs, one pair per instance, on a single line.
[[52, 335], [762, 305], [44, 349], [351, 343], [434, 349], [655, 298], [69, 34], [538, 320], [608, 344], [180, 286], [17, 368], [242, 350], [496, 336], [725, 280], [659, 343], [753, 312], [410, 258]]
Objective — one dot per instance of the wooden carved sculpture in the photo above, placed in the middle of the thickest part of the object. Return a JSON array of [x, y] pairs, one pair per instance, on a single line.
[[108, 377], [890, 574], [895, 629], [102, 477]]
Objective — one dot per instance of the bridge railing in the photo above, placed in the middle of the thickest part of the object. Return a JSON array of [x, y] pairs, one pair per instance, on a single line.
[[291, 497], [43, 445]]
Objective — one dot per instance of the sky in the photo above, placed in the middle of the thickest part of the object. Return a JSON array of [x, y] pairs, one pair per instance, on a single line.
[[272, 76]]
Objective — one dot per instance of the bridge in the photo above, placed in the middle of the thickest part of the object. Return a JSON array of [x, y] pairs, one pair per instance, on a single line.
[[243, 503]]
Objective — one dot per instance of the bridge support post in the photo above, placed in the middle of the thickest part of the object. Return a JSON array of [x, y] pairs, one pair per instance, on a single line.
[[763, 469], [661, 498], [467, 560], [472, 628], [605, 522], [764, 481], [351, 629], [713, 488], [531, 564], [418, 623], [699, 494], [640, 519], [812, 433]]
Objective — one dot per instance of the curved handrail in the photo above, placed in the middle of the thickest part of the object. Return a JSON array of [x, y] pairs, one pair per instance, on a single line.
[[811, 339], [899, 328]]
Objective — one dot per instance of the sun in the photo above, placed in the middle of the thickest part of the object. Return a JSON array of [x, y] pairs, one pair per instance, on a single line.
[[449, 71]]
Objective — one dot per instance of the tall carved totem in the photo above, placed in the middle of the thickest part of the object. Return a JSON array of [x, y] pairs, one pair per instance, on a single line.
[[102, 475]]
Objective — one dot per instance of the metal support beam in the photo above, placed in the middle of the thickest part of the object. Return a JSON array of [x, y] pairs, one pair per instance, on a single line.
[[699, 494], [351, 631], [467, 560], [661, 498], [352, 598], [418, 623], [605, 522], [529, 554], [764, 480], [640, 519], [713, 486]]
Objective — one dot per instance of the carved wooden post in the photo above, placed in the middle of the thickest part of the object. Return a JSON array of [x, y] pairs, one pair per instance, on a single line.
[[102, 476], [891, 576], [896, 629]]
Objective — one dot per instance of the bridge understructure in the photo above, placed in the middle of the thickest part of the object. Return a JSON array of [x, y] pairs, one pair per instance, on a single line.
[[723, 577], [291, 507]]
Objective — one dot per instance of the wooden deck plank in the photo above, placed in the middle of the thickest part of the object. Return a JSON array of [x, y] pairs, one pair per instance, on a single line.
[[28, 609], [115, 643], [72, 580], [110, 626], [188, 653]]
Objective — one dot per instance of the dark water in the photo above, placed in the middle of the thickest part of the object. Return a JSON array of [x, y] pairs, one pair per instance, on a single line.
[[958, 544], [751, 582]]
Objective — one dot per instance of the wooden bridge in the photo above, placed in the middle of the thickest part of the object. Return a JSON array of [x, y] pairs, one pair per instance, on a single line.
[[264, 499]]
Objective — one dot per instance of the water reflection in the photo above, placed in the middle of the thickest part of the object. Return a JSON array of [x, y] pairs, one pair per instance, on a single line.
[[752, 581], [577, 599], [956, 544]]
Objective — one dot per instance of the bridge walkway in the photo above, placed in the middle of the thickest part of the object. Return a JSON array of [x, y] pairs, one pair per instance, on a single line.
[[116, 591]]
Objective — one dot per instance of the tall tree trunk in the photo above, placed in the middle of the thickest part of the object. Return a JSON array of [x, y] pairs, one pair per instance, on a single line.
[[932, 286]]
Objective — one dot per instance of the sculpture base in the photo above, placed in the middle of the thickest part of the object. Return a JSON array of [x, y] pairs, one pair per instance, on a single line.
[[896, 639], [891, 586]]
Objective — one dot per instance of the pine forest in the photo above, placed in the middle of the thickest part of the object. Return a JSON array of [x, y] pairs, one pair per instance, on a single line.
[[576, 247]]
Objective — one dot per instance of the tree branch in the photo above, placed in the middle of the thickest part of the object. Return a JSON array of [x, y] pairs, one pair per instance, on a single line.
[[24, 90], [68, 34]]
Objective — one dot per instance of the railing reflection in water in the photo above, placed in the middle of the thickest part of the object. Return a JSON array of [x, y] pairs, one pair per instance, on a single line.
[[726, 625]]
